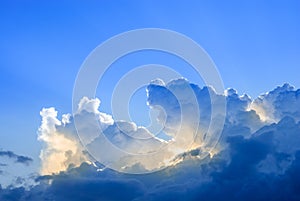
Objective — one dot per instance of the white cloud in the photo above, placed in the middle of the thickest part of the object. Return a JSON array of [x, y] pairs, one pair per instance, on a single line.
[[274, 105], [122, 145], [184, 108], [61, 149]]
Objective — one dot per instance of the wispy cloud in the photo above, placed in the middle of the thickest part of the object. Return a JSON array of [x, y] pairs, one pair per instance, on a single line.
[[17, 158]]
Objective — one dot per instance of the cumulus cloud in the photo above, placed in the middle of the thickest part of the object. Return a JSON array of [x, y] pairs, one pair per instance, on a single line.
[[131, 148], [282, 101], [257, 157], [186, 116], [61, 149]]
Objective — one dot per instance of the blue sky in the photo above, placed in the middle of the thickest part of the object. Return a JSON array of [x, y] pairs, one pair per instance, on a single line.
[[255, 45]]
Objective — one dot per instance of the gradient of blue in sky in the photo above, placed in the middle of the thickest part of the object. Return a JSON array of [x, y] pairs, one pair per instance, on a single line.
[[254, 44]]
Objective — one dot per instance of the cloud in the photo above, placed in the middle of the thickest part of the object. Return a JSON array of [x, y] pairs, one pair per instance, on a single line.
[[274, 105], [13, 167], [239, 178], [61, 147], [17, 158], [185, 114], [131, 148], [255, 159]]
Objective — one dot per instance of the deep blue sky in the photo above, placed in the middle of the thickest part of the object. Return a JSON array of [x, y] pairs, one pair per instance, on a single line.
[[255, 45]]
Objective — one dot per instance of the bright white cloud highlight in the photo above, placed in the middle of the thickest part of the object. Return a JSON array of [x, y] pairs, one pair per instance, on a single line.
[[61, 149]]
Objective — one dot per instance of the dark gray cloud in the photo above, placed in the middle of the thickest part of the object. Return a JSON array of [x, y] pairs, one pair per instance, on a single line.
[[17, 158]]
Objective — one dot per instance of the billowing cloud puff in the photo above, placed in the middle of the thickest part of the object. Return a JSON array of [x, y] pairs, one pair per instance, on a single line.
[[61, 149], [257, 157], [282, 101]]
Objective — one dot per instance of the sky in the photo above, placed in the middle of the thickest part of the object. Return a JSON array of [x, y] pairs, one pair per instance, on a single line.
[[255, 46]]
